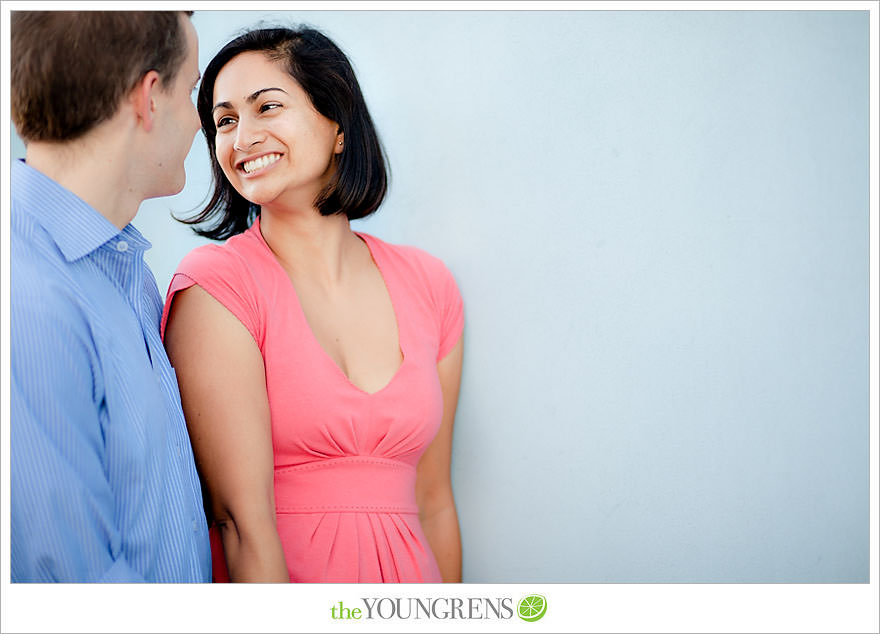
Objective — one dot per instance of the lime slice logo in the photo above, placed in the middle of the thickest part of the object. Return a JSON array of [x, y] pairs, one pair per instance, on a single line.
[[532, 607]]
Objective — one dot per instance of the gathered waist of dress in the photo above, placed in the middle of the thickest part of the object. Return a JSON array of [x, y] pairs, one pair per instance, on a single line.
[[351, 484]]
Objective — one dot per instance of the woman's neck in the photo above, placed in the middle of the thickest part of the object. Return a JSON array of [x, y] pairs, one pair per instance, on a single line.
[[321, 248]]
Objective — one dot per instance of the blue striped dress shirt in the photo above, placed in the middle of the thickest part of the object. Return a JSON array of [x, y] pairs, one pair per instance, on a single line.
[[103, 483]]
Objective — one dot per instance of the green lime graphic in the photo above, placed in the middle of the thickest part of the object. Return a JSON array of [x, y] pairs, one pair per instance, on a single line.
[[532, 607]]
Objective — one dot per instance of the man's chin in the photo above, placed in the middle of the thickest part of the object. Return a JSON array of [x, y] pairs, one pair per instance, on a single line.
[[171, 189]]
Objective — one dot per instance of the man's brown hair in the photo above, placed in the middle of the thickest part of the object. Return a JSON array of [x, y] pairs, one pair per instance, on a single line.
[[70, 69]]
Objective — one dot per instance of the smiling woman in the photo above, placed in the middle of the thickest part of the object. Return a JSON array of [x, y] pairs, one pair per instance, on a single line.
[[305, 75], [322, 424], [272, 145]]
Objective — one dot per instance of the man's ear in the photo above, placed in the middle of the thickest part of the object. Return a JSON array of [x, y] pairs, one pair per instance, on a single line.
[[143, 99]]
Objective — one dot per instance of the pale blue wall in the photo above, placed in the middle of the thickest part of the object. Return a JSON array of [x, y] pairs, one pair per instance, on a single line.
[[659, 223]]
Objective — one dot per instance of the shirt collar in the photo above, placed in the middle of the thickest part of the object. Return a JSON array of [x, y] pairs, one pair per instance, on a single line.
[[74, 225]]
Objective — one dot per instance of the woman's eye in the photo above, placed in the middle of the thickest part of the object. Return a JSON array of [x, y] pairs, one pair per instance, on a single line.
[[223, 121], [269, 106]]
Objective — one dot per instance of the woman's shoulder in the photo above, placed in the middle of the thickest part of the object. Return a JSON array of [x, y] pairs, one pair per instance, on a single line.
[[407, 257], [424, 274], [227, 272], [235, 254]]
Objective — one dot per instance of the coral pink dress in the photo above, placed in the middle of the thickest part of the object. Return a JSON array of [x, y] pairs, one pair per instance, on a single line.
[[345, 460]]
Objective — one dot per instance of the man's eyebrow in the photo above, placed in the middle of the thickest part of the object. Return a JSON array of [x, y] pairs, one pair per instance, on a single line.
[[249, 99]]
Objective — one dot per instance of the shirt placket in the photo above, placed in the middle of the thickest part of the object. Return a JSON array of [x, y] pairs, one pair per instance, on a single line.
[[177, 438]]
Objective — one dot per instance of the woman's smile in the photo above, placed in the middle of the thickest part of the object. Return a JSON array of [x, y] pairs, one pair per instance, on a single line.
[[259, 164]]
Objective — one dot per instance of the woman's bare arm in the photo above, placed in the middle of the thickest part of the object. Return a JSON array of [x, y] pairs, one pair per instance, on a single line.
[[436, 503], [223, 391]]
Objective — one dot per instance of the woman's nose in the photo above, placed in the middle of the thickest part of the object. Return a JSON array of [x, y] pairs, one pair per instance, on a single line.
[[247, 134]]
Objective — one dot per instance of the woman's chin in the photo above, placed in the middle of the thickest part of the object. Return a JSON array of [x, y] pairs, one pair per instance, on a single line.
[[257, 197]]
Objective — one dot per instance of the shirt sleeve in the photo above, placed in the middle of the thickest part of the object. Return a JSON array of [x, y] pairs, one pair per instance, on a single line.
[[224, 277], [62, 508], [450, 311]]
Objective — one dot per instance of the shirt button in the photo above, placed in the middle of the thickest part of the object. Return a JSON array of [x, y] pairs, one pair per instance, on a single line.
[[195, 526], [179, 452], [122, 246]]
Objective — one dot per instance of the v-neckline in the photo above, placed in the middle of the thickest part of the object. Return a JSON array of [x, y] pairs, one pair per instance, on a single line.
[[366, 239]]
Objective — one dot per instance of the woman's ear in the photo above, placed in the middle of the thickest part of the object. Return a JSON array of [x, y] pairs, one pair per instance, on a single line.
[[340, 142], [143, 99]]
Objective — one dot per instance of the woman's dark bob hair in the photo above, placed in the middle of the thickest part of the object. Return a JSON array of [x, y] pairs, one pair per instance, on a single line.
[[325, 74]]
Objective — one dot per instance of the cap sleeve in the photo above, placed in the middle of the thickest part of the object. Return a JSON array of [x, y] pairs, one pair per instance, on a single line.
[[225, 277], [451, 311]]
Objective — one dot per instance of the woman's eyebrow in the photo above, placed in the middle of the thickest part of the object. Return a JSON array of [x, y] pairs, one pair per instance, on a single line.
[[249, 99]]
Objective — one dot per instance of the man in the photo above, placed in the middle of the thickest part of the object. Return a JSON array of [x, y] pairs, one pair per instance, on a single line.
[[103, 484]]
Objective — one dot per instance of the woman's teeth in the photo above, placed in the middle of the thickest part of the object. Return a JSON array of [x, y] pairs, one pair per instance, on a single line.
[[258, 163]]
